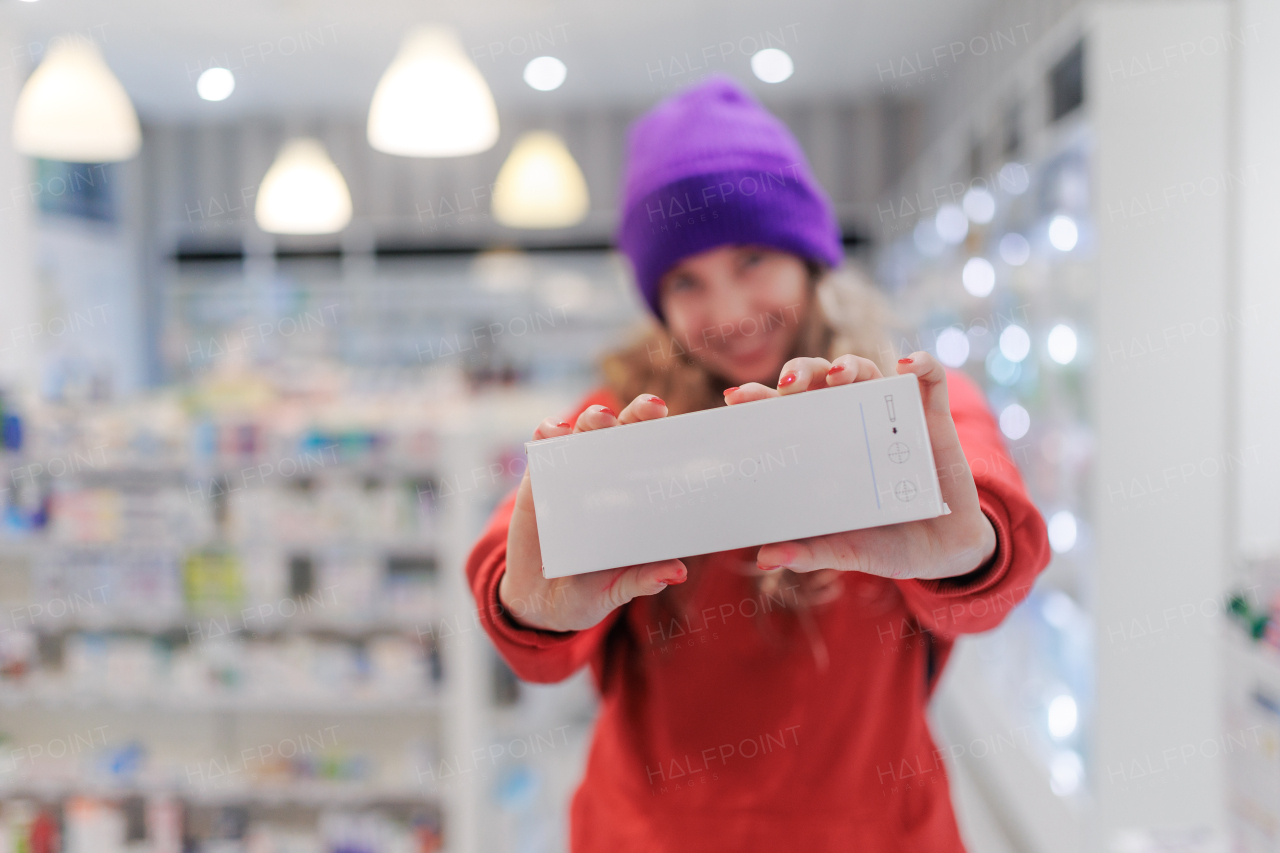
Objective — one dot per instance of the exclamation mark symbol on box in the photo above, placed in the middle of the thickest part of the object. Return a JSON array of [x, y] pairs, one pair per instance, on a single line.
[[888, 401]]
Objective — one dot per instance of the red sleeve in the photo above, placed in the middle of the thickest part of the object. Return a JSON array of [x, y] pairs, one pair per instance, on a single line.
[[980, 600], [534, 655]]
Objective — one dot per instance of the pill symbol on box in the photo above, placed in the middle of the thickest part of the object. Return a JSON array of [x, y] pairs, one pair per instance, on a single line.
[[888, 401], [899, 452]]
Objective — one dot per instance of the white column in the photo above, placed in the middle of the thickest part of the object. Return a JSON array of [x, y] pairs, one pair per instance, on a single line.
[[1256, 318], [466, 664], [1159, 112]]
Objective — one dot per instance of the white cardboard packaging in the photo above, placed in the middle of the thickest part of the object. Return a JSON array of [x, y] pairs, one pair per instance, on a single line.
[[808, 464]]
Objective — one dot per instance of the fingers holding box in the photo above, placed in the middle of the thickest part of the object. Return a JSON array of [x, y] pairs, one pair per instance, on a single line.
[[552, 427], [803, 374], [646, 407], [643, 408], [852, 368], [748, 392]]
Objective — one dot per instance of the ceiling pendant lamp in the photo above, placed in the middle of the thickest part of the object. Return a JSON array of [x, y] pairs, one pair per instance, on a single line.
[[540, 185], [303, 192], [72, 108], [432, 101]]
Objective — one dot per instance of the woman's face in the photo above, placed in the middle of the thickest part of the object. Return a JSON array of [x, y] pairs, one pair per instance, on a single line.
[[737, 308]]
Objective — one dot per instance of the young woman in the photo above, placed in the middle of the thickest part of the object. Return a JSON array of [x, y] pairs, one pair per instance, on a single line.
[[770, 698]]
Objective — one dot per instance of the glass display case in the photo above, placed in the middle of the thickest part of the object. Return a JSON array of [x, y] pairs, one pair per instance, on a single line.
[[998, 281]]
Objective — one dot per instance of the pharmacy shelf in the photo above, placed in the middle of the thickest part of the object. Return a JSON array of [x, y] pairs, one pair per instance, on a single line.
[[178, 472], [221, 625], [148, 472], [1253, 666], [63, 700], [450, 714], [384, 544], [305, 793]]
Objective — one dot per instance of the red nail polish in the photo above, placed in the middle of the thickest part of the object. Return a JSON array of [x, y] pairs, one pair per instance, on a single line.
[[905, 361], [787, 380], [734, 388], [563, 424], [657, 400], [607, 410], [835, 368], [768, 568]]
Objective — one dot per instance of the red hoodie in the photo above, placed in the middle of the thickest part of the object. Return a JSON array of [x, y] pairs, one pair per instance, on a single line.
[[719, 731]]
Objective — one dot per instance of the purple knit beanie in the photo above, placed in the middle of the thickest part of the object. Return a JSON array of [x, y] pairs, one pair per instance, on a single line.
[[710, 166]]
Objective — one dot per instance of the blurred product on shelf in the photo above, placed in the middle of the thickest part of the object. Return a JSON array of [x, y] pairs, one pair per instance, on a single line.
[[159, 824], [293, 671], [1258, 615], [256, 558], [1251, 743]]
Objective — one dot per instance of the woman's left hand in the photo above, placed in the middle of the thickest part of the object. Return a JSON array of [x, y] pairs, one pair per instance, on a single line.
[[946, 546]]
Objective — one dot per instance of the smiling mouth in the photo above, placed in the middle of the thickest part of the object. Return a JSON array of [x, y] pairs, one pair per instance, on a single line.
[[748, 351]]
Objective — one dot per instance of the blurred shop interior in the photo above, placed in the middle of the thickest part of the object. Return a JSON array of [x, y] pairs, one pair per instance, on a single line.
[[258, 331]]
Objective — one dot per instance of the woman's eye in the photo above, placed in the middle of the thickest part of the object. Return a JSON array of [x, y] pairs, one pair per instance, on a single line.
[[750, 259]]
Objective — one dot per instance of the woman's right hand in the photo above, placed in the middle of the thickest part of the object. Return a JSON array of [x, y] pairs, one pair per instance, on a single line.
[[579, 601]]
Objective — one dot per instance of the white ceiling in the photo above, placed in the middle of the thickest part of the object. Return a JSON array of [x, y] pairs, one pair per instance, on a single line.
[[617, 53]]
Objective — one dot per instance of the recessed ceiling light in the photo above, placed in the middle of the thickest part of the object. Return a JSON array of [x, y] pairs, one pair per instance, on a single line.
[[216, 84], [545, 73], [772, 65]]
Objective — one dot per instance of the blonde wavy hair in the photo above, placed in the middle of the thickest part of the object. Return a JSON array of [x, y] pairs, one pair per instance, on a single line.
[[845, 314]]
